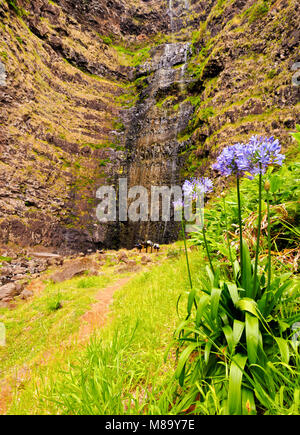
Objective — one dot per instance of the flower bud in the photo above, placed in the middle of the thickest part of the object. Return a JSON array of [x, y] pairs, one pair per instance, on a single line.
[[267, 186]]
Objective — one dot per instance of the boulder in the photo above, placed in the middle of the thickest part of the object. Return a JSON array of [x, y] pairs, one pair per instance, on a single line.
[[26, 294], [145, 259], [130, 266], [123, 257], [76, 267], [10, 290]]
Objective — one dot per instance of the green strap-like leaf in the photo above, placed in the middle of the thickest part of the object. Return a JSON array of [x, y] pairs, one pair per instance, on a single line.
[[210, 276], [252, 337], [233, 336], [238, 328], [207, 351], [229, 337], [215, 302], [247, 282], [236, 269], [235, 383], [248, 305], [284, 349], [191, 299], [248, 402], [183, 359], [233, 291], [203, 303]]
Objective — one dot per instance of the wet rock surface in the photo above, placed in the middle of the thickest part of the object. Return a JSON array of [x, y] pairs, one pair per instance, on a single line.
[[2, 75], [155, 124]]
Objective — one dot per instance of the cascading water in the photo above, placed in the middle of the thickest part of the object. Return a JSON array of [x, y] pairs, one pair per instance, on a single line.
[[152, 139], [171, 14], [2, 75]]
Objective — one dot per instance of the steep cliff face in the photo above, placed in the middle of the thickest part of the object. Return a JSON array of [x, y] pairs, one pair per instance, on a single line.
[[224, 73], [94, 90], [246, 54], [60, 88]]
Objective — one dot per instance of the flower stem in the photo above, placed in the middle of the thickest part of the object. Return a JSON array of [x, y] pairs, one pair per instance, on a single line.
[[227, 233], [207, 251], [186, 254], [269, 242], [240, 222], [205, 242], [259, 230]]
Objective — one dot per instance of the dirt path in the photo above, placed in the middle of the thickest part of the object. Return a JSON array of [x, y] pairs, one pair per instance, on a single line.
[[95, 318]]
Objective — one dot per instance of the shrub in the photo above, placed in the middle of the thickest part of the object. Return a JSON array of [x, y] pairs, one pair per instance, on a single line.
[[14, 6], [54, 302], [237, 339], [258, 11]]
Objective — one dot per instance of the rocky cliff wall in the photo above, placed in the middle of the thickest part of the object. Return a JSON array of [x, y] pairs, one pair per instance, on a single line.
[[225, 72], [59, 110], [246, 55], [91, 90]]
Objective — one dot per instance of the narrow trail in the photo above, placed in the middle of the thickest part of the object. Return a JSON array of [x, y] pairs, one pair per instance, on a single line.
[[93, 319], [98, 314]]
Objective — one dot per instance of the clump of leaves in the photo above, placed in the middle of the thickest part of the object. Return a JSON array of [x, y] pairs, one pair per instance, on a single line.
[[297, 134], [14, 6], [237, 340], [258, 10], [54, 302], [238, 337], [5, 259]]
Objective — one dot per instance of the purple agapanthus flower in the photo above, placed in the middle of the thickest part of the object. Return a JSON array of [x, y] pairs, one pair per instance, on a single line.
[[178, 205], [232, 161], [188, 187], [263, 152], [251, 158], [192, 189], [197, 186], [204, 185]]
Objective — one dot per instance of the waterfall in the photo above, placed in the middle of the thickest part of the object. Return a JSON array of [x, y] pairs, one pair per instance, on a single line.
[[154, 145], [169, 49], [2, 75], [171, 14], [184, 66]]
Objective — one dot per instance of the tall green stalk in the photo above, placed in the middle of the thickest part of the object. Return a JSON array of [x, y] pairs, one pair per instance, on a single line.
[[227, 232], [205, 243], [259, 230], [207, 250], [186, 254], [267, 188], [240, 221]]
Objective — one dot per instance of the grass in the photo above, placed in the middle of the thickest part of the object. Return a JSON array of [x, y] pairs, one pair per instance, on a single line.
[[18, 10], [122, 370], [5, 259], [129, 57], [130, 365], [257, 11], [44, 322]]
